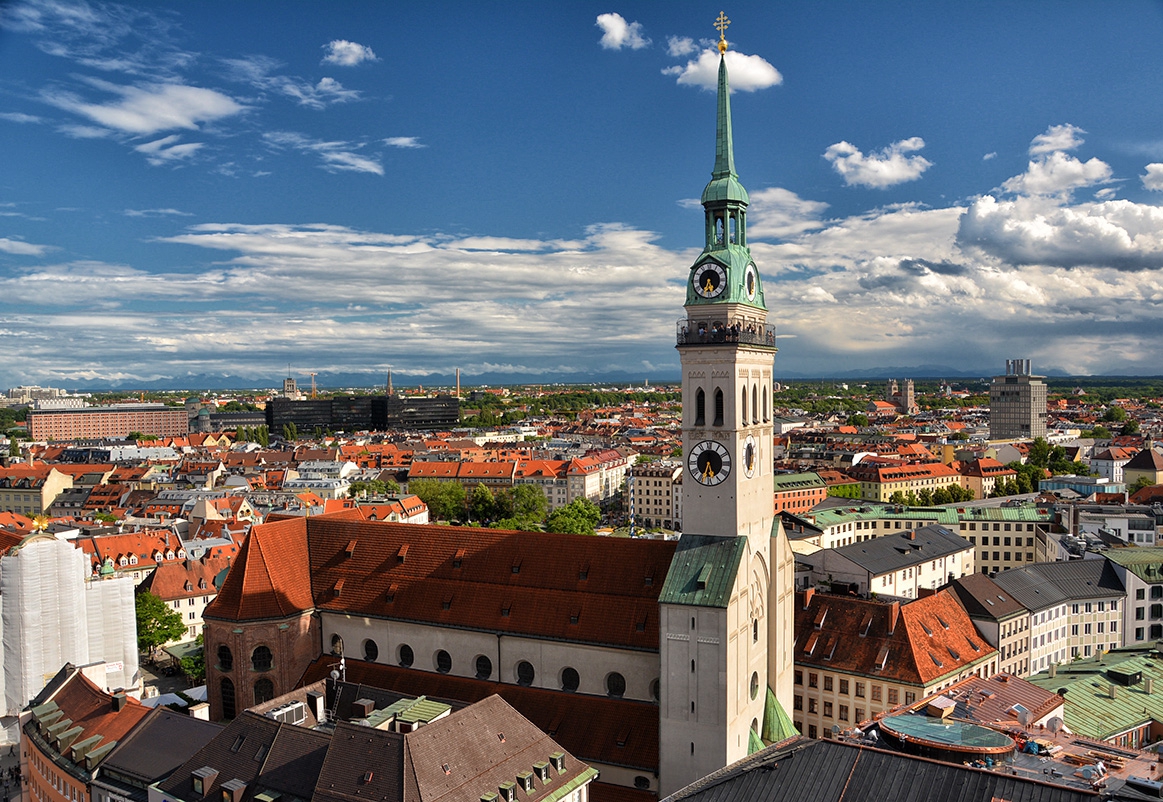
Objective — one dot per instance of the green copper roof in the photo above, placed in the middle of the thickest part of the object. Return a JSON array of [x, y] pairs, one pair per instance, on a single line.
[[702, 571], [754, 744], [724, 184], [1089, 710], [1145, 563], [777, 724]]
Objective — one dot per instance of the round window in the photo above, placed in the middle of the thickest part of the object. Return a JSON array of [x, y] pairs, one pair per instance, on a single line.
[[336, 644], [616, 685], [754, 684], [443, 661], [484, 667], [525, 673], [406, 656], [570, 679], [370, 650]]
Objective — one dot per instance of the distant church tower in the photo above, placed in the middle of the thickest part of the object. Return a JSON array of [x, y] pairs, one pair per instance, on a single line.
[[726, 607]]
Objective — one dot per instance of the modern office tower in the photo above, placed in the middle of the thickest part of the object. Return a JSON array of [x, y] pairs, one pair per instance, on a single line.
[[1017, 403]]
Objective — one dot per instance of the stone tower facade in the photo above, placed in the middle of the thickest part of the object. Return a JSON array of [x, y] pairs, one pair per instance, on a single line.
[[726, 607]]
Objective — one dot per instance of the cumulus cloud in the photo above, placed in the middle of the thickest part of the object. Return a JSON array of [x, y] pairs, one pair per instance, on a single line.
[[778, 212], [679, 46], [1153, 179], [1029, 231], [335, 156], [618, 34], [879, 169], [745, 73], [347, 54], [1057, 137], [404, 142], [151, 108]]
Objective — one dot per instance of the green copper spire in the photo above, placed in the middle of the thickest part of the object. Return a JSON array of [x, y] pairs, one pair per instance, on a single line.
[[724, 184]]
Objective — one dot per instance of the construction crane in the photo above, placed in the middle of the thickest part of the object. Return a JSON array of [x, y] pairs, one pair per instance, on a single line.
[[312, 375]]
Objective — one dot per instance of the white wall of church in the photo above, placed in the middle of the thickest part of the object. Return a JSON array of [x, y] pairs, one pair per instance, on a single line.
[[549, 658]]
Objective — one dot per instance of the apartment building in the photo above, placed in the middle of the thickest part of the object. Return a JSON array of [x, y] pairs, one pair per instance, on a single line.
[[1141, 572], [657, 494], [1001, 619], [113, 421]]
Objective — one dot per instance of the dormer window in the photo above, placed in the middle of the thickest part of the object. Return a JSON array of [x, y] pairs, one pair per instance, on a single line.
[[133, 559], [122, 561]]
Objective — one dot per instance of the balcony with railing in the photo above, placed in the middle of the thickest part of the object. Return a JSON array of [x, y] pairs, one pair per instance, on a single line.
[[751, 334]]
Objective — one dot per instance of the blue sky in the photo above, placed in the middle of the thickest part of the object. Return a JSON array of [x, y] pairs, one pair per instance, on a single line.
[[225, 187]]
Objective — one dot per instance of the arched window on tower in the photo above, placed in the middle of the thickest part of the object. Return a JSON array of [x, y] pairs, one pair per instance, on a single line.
[[734, 227], [718, 229], [766, 417], [229, 708], [754, 403], [743, 404], [718, 407], [700, 408]]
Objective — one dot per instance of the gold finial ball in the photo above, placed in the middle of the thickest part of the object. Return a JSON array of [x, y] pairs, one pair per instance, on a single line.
[[722, 45]]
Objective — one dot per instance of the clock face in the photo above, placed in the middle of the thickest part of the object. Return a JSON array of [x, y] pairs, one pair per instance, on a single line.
[[709, 279], [750, 456], [709, 463], [751, 282]]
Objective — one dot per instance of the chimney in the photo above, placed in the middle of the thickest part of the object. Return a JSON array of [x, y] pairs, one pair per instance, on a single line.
[[1114, 691], [894, 612], [912, 534], [808, 594], [118, 702], [1053, 670], [1150, 686]]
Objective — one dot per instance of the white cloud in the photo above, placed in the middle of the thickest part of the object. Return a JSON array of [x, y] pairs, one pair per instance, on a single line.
[[1153, 179], [347, 54], [149, 109], [21, 248], [1057, 173], [679, 46], [989, 156], [260, 72], [879, 169], [404, 142], [745, 73], [778, 212], [20, 117], [155, 213], [618, 34], [336, 156], [1034, 231], [168, 149], [1057, 137]]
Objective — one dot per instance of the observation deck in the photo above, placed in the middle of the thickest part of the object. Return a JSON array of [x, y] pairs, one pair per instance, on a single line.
[[755, 336]]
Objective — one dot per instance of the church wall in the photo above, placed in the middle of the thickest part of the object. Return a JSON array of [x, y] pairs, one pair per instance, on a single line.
[[593, 663]]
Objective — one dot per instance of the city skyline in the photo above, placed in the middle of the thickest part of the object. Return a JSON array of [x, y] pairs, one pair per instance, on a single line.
[[235, 189]]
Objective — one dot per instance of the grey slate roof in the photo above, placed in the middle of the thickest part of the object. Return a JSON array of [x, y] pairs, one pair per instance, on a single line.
[[1043, 585], [157, 746], [828, 771], [883, 555], [983, 598]]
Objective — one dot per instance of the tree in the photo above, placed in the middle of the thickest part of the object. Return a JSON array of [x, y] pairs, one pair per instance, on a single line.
[[194, 664], [373, 487], [942, 496], [482, 506], [1100, 433], [13, 447], [579, 517], [445, 500], [1130, 427], [157, 622], [1039, 453], [1140, 483], [859, 419], [1115, 415], [290, 432], [522, 501]]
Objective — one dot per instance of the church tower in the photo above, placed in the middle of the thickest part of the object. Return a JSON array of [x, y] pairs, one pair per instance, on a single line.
[[726, 611]]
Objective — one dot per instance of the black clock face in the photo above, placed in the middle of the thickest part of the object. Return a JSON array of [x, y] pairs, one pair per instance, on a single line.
[[709, 279], [749, 456], [751, 281], [709, 463]]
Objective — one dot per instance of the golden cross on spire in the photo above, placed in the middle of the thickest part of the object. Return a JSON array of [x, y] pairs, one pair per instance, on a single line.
[[721, 24]]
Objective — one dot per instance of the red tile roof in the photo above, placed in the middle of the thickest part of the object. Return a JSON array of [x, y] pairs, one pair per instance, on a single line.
[[522, 582], [91, 708], [271, 579]]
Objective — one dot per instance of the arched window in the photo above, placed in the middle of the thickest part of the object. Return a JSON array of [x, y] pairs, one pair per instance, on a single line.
[[700, 408], [616, 685], [261, 659], [525, 673], [229, 707], [743, 404], [754, 403], [336, 644], [718, 407], [264, 691], [443, 661], [484, 667], [225, 658], [406, 656], [570, 679], [766, 417], [371, 650], [754, 684]]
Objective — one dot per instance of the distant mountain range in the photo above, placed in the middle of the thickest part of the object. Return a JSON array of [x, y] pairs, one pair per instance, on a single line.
[[367, 381]]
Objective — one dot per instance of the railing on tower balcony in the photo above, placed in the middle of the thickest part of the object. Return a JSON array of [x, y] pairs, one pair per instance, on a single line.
[[688, 334]]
